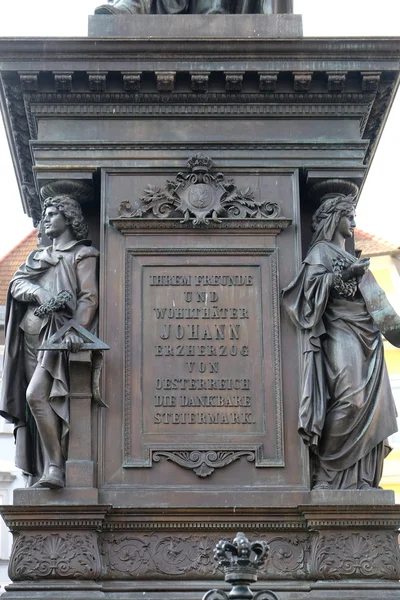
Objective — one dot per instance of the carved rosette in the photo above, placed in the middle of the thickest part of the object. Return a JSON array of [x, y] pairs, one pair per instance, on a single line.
[[72, 555], [356, 555], [199, 196]]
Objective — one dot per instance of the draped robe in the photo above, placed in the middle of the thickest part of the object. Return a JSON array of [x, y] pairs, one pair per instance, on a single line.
[[347, 410], [72, 268], [166, 7]]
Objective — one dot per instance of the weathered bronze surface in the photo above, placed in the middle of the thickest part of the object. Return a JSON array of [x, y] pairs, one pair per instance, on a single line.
[[55, 284], [193, 260], [347, 410], [177, 7]]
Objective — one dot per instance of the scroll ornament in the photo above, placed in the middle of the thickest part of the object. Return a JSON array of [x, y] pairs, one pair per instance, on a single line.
[[199, 197]]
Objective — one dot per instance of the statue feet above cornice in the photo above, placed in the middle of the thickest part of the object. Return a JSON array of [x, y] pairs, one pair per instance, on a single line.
[[131, 7]]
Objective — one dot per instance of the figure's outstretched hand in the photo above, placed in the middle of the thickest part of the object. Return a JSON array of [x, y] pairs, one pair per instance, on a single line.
[[74, 342], [357, 269]]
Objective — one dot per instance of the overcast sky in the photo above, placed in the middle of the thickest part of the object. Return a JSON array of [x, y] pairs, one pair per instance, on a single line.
[[379, 206]]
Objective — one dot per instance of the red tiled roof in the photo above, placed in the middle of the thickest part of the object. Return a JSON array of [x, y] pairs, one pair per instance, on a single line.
[[371, 245], [13, 259]]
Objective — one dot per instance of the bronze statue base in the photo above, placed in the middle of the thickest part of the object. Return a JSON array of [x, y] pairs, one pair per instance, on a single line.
[[317, 552]]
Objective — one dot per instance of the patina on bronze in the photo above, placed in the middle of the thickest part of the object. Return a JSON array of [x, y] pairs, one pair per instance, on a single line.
[[347, 409], [172, 7], [56, 284]]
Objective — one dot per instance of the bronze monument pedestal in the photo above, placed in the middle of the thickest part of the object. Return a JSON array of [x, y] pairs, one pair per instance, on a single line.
[[204, 156]]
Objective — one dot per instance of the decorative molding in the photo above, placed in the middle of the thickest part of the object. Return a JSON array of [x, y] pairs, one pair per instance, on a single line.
[[234, 81], [202, 462], [199, 81], [55, 556], [373, 124], [282, 50], [127, 361], [287, 97], [358, 555], [32, 123], [16, 525], [200, 197], [128, 555], [277, 363], [131, 80], [200, 251], [268, 81], [226, 107], [29, 81], [302, 81], [336, 81], [97, 81], [156, 555], [206, 525], [21, 135], [63, 81], [165, 80], [288, 557], [149, 451], [204, 146], [370, 81]]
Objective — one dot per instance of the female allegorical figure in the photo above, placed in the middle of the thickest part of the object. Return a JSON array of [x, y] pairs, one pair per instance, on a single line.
[[347, 409]]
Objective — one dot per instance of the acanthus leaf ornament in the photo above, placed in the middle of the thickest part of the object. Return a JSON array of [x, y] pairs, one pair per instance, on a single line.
[[55, 555], [199, 197], [203, 463]]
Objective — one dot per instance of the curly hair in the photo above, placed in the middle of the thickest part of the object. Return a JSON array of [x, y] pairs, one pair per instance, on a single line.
[[326, 218], [71, 209]]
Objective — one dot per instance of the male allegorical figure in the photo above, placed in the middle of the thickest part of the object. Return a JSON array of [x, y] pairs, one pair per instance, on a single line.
[[56, 284], [167, 7]]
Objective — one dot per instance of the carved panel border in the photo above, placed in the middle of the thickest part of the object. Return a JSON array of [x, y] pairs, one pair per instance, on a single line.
[[157, 555], [236, 450], [213, 109], [186, 147], [73, 555], [355, 555], [130, 225]]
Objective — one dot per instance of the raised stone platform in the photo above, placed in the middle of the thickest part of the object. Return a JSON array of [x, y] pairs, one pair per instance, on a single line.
[[196, 26], [88, 553]]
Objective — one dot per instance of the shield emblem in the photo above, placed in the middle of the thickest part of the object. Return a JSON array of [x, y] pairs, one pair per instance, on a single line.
[[200, 199]]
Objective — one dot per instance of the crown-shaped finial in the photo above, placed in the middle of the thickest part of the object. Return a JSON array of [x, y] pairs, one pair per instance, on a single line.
[[240, 561], [241, 554], [199, 163]]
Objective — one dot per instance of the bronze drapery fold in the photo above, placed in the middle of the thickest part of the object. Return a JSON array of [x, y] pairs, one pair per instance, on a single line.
[[347, 409], [268, 7]]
